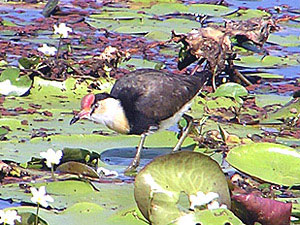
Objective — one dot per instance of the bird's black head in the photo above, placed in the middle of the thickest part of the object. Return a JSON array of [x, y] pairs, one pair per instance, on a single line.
[[101, 96]]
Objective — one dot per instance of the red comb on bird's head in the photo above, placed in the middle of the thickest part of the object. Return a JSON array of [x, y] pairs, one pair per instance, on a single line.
[[87, 101], [86, 104]]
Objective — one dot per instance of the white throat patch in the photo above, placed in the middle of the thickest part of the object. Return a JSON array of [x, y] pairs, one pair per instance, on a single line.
[[110, 113]]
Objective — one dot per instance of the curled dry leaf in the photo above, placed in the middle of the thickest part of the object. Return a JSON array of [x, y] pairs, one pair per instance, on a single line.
[[111, 57], [4, 168], [251, 208], [256, 30], [213, 44], [209, 44]]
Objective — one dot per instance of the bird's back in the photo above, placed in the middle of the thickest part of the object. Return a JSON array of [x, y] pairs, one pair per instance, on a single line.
[[149, 96]]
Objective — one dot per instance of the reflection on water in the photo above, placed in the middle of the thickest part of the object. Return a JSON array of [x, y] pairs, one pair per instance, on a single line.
[[124, 156]]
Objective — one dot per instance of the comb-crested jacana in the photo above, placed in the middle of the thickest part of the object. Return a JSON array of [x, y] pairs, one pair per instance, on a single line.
[[142, 102]]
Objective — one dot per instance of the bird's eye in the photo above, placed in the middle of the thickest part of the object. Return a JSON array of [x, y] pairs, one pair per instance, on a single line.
[[96, 105]]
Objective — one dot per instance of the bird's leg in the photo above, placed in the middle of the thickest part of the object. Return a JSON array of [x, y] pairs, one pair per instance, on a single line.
[[213, 82], [136, 161], [185, 133]]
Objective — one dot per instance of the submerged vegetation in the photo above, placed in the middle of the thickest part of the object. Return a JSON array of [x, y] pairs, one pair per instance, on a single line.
[[240, 163]]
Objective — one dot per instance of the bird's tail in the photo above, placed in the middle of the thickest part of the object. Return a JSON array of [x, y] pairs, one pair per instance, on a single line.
[[204, 75]]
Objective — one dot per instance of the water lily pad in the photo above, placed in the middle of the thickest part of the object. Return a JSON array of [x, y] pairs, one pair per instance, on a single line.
[[68, 193], [286, 41], [65, 193], [11, 83], [267, 75], [3, 132], [119, 15], [49, 8], [158, 35], [244, 14], [286, 113], [80, 155], [164, 140], [289, 141], [208, 217], [167, 8], [77, 168], [232, 90], [84, 213], [268, 61], [159, 185], [179, 25], [132, 29], [8, 23], [128, 217], [221, 102], [270, 162], [139, 24], [27, 63], [209, 9], [264, 100], [28, 218], [139, 63]]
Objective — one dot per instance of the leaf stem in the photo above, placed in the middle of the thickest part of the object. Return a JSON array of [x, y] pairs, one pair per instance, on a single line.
[[58, 47], [37, 214], [52, 172]]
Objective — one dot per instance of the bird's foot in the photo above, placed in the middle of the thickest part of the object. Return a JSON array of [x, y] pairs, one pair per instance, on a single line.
[[176, 149], [131, 169]]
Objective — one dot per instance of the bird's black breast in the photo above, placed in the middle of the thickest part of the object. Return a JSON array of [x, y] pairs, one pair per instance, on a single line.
[[150, 96]]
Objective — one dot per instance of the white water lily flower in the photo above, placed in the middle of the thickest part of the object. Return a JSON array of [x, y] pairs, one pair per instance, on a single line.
[[293, 218], [51, 157], [197, 200], [186, 219], [9, 217], [201, 199], [62, 30], [47, 50], [106, 172], [216, 205], [40, 196]]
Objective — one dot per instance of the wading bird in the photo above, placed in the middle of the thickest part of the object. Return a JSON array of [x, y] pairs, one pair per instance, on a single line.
[[142, 102]]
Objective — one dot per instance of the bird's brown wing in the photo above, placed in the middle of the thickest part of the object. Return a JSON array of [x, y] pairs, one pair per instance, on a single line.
[[149, 96]]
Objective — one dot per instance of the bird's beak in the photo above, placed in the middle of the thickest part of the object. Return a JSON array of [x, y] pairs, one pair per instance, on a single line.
[[82, 114]]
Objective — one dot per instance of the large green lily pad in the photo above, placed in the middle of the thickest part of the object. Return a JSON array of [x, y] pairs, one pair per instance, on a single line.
[[270, 162], [159, 185]]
